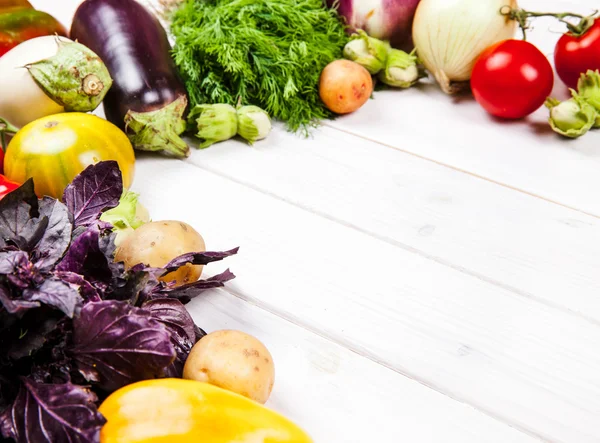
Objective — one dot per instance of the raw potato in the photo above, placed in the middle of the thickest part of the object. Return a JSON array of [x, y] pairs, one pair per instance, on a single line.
[[235, 361], [345, 86], [157, 243]]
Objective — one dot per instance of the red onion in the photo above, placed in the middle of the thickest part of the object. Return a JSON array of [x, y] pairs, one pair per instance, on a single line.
[[383, 19]]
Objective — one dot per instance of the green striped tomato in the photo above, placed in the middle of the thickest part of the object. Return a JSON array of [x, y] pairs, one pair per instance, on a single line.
[[53, 150]]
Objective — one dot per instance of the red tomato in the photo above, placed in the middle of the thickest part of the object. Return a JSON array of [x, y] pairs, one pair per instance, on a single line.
[[574, 55], [512, 79], [2, 159]]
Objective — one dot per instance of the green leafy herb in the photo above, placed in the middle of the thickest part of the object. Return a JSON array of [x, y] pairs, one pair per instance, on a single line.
[[268, 53]]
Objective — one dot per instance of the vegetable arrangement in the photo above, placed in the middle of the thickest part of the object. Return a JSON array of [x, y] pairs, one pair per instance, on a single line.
[[95, 340]]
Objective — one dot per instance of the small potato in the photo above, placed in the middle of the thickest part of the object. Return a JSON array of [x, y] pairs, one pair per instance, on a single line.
[[345, 86], [235, 361], [157, 243]]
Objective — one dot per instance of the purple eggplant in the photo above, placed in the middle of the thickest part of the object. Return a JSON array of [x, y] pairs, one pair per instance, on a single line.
[[148, 99]]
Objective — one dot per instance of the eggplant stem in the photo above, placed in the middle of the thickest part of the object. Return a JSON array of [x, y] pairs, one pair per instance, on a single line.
[[521, 16]]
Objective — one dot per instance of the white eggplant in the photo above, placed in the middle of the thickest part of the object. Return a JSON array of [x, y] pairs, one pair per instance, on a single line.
[[48, 75]]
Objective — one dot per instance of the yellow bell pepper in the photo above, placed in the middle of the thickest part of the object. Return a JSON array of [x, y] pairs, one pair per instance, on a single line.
[[185, 411]]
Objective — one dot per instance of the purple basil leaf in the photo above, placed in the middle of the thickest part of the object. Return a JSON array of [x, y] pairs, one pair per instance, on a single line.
[[197, 258], [57, 236], [84, 257], [18, 270], [12, 261], [116, 344], [31, 333], [96, 189], [52, 413], [19, 223], [181, 327], [58, 294], [86, 290], [19, 228], [187, 292], [134, 284], [17, 307]]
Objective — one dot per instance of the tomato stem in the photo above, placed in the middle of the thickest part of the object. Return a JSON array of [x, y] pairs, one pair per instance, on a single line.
[[521, 16], [6, 128]]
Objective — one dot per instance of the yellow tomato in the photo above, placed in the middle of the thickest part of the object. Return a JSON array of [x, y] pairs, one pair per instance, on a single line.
[[53, 150]]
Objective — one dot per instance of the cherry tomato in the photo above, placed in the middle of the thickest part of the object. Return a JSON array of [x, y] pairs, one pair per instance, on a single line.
[[2, 159], [574, 55], [7, 186], [512, 79], [53, 150]]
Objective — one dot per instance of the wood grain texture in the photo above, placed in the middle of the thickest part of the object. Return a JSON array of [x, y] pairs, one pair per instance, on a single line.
[[530, 246], [338, 396], [529, 365], [525, 155]]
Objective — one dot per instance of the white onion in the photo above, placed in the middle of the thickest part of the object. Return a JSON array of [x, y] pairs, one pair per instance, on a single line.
[[450, 34]]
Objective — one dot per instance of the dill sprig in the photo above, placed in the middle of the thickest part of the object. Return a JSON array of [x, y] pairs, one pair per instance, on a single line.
[[268, 53]]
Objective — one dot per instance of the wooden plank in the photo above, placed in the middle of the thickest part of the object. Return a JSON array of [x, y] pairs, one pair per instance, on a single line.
[[338, 396], [535, 248], [525, 155], [524, 363]]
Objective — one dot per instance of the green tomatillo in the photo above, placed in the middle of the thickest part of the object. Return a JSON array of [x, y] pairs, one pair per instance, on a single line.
[[589, 90], [213, 123], [571, 118], [369, 52], [401, 69], [253, 123]]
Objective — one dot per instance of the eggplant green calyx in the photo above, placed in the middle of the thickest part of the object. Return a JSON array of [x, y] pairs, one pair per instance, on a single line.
[[571, 118], [213, 123], [160, 130], [401, 69], [588, 88], [253, 123], [75, 77], [369, 52]]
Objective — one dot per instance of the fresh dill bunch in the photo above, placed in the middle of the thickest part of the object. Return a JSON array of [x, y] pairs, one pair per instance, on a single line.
[[268, 53]]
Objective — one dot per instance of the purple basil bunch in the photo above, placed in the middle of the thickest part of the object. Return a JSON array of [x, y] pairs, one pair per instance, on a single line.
[[75, 325]]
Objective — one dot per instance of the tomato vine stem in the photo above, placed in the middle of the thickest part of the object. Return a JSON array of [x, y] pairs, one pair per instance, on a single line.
[[521, 16]]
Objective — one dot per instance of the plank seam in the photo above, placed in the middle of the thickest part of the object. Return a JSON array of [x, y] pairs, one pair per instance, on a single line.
[[408, 248], [464, 171]]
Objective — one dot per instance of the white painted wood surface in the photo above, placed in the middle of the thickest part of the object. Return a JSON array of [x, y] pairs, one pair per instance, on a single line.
[[420, 272]]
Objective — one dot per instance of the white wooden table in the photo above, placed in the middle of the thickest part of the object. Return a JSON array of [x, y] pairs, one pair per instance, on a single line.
[[420, 272]]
